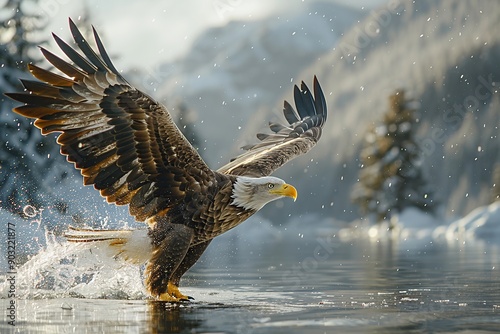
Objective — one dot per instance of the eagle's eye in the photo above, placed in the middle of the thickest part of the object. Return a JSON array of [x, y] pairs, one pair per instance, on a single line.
[[270, 185]]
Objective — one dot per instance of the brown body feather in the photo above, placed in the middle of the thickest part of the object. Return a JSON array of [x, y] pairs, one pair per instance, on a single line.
[[127, 146]]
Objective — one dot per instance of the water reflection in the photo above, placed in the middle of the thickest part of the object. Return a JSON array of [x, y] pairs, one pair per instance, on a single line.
[[171, 318], [363, 284], [305, 284], [195, 317]]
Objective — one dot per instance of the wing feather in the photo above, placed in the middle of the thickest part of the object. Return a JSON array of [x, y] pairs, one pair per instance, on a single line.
[[124, 142], [287, 141], [68, 69], [104, 54], [77, 59], [289, 112], [46, 76], [86, 49]]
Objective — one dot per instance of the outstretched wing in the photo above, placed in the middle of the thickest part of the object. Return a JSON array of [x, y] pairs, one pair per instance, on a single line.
[[123, 141], [287, 141]]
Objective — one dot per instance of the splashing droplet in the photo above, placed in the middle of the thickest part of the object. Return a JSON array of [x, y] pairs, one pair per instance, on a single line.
[[30, 211]]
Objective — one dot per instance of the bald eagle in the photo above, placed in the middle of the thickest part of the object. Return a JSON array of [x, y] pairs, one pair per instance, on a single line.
[[127, 145]]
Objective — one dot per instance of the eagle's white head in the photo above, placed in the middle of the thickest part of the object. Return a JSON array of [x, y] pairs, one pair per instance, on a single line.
[[253, 193]]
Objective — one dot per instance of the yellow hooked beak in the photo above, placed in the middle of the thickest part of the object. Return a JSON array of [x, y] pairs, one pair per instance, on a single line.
[[285, 190]]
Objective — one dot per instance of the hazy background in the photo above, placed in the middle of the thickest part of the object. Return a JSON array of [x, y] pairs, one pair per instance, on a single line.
[[149, 33], [231, 63]]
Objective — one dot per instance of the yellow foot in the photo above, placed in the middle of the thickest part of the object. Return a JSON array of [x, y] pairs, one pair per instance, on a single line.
[[165, 297], [173, 291]]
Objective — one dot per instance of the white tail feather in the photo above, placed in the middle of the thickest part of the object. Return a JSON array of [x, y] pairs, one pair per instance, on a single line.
[[130, 245]]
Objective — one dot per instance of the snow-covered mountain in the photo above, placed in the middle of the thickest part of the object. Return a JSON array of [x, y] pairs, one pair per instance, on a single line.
[[445, 55], [234, 70]]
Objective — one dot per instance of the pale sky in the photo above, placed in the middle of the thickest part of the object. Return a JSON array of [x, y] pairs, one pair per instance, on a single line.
[[148, 33]]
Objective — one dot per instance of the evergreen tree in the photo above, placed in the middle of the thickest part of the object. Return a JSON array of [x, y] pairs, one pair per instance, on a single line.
[[18, 34], [24, 152], [391, 177]]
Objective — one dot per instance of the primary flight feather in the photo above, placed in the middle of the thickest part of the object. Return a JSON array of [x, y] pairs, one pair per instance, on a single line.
[[127, 145]]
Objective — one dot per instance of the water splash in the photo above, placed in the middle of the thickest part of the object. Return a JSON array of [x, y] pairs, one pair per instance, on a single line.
[[63, 269], [30, 211]]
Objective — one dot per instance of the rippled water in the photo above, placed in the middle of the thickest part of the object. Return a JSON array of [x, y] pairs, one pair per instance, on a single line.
[[292, 284]]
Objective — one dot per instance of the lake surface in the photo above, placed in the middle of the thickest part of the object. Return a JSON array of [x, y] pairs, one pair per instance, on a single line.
[[295, 283]]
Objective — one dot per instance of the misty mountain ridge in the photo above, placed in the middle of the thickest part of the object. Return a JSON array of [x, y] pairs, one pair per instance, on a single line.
[[237, 76], [235, 70], [443, 54]]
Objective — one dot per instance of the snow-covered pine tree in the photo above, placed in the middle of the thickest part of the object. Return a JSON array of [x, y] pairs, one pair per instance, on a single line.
[[24, 153], [391, 177], [18, 30]]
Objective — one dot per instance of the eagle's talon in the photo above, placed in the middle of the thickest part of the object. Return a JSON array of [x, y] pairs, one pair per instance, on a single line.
[[166, 297], [173, 290]]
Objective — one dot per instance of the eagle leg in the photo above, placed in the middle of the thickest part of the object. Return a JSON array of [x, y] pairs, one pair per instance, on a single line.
[[191, 257], [171, 243]]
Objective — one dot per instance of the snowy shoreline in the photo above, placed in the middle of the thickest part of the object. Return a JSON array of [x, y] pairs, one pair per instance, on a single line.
[[482, 223]]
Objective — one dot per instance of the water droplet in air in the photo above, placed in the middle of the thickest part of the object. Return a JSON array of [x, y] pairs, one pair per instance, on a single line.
[[30, 211]]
